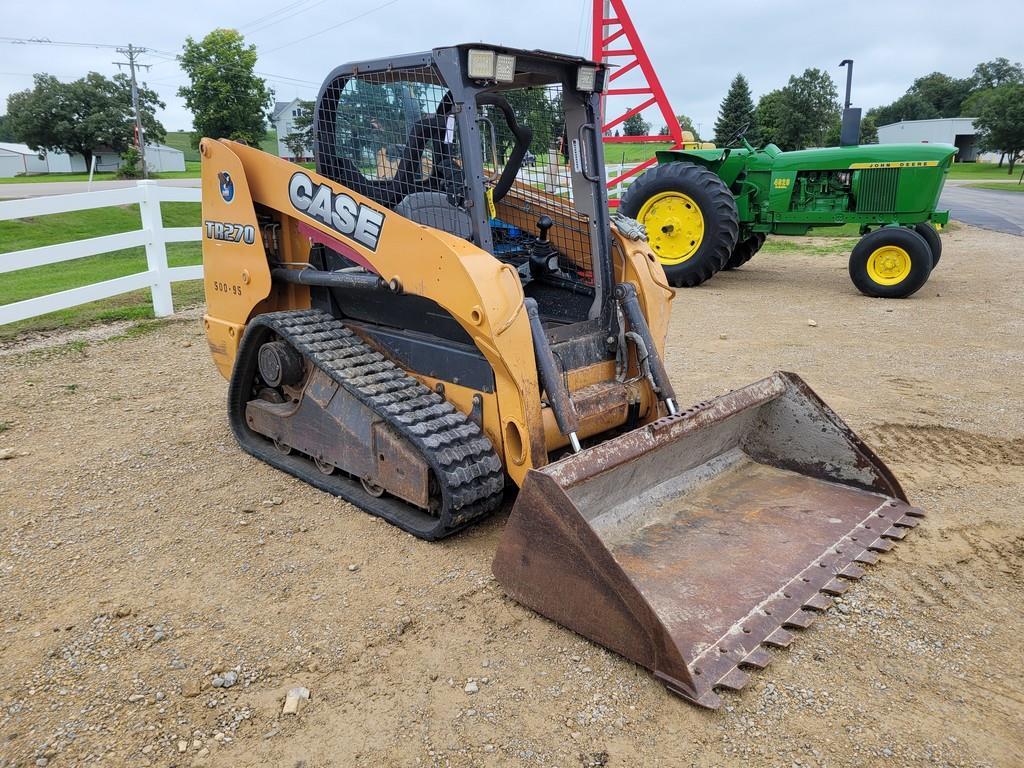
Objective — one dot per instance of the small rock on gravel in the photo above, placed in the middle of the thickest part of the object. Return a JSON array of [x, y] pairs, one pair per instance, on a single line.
[[294, 700], [471, 687]]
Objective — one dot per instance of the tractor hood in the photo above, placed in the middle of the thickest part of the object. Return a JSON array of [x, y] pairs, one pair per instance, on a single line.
[[866, 156]]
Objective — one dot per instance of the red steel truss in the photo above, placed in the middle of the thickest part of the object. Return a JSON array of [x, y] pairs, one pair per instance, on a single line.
[[615, 37]]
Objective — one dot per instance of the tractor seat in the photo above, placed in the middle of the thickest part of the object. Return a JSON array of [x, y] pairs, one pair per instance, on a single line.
[[434, 210], [408, 178]]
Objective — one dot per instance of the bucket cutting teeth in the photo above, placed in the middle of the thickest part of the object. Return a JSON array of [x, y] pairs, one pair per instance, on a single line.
[[692, 543]]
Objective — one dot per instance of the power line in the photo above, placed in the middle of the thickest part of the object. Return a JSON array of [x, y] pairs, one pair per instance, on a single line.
[[48, 41], [263, 18], [334, 26], [274, 22]]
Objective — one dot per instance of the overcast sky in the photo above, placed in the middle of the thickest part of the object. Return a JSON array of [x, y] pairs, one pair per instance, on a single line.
[[696, 49]]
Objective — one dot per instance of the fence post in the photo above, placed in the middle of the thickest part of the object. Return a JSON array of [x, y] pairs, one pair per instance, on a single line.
[[156, 248]]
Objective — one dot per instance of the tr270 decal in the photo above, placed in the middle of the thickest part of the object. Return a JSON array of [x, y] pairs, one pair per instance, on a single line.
[[232, 233]]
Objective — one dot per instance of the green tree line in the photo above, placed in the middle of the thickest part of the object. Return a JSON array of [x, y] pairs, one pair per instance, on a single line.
[[806, 111]]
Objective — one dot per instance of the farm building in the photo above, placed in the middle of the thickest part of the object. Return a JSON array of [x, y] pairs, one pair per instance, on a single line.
[[18, 159], [958, 131]]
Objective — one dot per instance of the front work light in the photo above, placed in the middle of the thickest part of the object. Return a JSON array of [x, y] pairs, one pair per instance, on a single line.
[[505, 69], [481, 64], [586, 79]]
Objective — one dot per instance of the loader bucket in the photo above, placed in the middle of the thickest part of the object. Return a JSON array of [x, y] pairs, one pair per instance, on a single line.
[[688, 544]]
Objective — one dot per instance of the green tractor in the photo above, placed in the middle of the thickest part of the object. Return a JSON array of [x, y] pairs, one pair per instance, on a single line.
[[711, 209]]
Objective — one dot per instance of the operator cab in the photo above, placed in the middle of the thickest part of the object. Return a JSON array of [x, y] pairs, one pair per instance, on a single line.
[[498, 146]]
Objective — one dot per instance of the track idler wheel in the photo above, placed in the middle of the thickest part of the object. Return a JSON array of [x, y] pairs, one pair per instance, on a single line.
[[280, 365]]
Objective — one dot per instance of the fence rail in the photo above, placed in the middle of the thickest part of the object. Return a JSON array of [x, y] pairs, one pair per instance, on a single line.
[[153, 235]]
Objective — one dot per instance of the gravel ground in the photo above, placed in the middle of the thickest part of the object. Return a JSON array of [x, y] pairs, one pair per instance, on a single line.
[[161, 592]]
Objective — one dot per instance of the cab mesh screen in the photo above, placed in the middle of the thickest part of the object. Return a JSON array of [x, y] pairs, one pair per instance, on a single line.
[[544, 180], [392, 137]]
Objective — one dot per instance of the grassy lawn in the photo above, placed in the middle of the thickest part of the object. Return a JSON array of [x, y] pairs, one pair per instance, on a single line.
[[632, 153], [191, 172], [1002, 187], [62, 227], [981, 171]]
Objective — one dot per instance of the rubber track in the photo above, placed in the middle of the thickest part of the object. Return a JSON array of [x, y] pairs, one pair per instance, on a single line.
[[462, 458]]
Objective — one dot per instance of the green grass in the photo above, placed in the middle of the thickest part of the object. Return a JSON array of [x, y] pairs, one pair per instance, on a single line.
[[981, 171], [780, 245], [191, 172], [1014, 187], [631, 153], [62, 227], [183, 140]]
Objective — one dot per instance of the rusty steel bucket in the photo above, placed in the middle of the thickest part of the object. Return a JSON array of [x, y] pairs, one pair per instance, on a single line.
[[688, 544]]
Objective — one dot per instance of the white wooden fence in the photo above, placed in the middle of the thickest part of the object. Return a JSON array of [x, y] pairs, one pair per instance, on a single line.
[[153, 235]]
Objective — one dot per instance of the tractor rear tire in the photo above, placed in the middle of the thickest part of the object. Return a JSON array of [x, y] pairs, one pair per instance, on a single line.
[[745, 250], [691, 220], [890, 263], [927, 231]]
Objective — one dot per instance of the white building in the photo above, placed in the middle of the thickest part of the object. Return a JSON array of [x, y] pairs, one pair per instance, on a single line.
[[958, 131], [283, 118], [18, 159], [163, 159]]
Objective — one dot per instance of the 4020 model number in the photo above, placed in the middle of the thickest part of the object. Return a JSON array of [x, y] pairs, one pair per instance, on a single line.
[[232, 233], [227, 288]]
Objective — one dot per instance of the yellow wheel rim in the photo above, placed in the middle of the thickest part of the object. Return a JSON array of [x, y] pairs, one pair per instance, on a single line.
[[889, 265], [675, 226]]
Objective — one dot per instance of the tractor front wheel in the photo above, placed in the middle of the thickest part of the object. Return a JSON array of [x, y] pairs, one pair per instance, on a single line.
[[927, 231], [890, 263], [691, 219], [745, 250]]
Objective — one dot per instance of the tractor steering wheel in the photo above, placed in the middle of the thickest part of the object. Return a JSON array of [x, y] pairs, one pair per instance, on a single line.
[[737, 134]]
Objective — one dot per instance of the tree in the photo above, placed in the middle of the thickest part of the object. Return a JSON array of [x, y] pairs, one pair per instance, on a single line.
[[946, 94], [1000, 122], [5, 129], [811, 106], [868, 132], [79, 116], [801, 114], [769, 117], [635, 125], [736, 113], [300, 140], [687, 125], [910, 106], [992, 74], [226, 98]]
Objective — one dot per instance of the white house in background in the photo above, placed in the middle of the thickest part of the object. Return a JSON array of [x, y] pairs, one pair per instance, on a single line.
[[283, 118], [958, 131], [18, 159]]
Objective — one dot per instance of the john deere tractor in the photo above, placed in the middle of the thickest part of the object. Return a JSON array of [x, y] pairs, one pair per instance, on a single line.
[[711, 209]]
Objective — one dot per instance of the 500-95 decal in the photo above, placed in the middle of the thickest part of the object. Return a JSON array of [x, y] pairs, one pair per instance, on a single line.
[[232, 233]]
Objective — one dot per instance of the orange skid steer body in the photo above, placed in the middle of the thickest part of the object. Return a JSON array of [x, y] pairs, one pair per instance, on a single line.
[[432, 323]]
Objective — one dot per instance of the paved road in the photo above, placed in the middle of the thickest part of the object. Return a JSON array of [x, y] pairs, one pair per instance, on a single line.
[[67, 187], [986, 208]]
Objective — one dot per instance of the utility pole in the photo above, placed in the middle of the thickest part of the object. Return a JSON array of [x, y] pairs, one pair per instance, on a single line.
[[133, 53]]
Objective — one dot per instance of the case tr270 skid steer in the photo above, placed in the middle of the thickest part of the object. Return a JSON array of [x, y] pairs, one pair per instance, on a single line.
[[445, 312]]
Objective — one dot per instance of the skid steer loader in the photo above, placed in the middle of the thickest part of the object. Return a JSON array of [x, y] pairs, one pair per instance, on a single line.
[[432, 320]]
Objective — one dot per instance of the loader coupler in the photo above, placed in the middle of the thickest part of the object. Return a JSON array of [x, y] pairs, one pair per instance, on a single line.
[[691, 543]]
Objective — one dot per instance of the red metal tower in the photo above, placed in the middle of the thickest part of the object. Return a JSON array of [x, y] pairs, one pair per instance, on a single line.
[[615, 37]]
